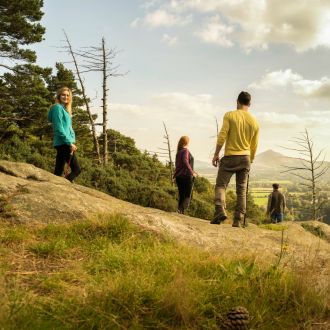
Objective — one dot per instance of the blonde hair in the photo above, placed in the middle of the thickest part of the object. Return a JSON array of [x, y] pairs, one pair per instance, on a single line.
[[68, 106], [184, 140]]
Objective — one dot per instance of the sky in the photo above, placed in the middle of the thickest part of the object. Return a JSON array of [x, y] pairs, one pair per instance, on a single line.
[[187, 60]]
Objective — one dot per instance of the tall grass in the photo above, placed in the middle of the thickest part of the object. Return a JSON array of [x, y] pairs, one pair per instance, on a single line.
[[106, 273]]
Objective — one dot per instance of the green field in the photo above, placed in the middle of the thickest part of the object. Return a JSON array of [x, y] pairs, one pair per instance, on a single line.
[[260, 201], [260, 195]]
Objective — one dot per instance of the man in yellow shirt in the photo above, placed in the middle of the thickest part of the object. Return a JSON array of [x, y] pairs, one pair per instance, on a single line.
[[239, 133]]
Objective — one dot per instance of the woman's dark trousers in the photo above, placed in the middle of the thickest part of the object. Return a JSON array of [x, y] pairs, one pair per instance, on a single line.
[[184, 185], [64, 156]]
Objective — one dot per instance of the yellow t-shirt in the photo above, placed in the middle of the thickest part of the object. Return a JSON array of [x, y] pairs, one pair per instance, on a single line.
[[240, 132]]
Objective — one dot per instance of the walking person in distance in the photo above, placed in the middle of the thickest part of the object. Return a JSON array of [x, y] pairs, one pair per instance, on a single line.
[[184, 173], [276, 205], [239, 134], [60, 115]]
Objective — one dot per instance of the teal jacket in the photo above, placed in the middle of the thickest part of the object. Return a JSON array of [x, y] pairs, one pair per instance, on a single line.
[[62, 125]]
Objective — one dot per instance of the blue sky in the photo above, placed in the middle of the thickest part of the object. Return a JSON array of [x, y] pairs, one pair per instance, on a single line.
[[188, 60]]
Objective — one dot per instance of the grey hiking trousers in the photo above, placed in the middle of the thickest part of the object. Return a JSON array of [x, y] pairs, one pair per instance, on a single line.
[[240, 165]]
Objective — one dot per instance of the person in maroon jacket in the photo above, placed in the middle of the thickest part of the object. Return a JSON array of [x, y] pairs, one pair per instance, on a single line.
[[184, 173]]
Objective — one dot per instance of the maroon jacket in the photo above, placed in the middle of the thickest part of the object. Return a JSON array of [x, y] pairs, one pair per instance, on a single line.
[[184, 163]]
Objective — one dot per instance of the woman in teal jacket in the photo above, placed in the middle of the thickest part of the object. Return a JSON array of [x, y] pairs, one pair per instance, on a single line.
[[64, 138]]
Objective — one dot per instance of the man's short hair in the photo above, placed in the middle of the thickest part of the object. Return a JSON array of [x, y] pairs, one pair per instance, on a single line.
[[244, 98], [276, 186]]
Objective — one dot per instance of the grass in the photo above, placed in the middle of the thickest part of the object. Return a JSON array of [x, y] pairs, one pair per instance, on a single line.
[[6, 210], [315, 230], [260, 201], [105, 273], [260, 196], [273, 226]]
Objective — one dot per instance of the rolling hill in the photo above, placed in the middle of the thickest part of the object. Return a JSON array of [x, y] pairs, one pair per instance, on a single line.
[[268, 165]]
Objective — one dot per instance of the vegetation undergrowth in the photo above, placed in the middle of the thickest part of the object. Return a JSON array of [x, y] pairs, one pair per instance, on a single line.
[[315, 230], [105, 273], [273, 226]]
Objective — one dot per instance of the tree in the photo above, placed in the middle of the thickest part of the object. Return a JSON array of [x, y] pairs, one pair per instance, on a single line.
[[86, 100], [100, 59], [311, 169], [19, 27], [326, 211], [25, 100], [168, 144]]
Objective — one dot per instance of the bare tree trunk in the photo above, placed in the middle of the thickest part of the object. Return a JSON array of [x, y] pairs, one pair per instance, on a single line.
[[310, 170], [104, 104], [100, 59], [167, 140], [85, 98], [217, 125], [311, 161]]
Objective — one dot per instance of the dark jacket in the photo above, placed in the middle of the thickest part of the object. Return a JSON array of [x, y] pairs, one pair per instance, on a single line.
[[184, 163], [276, 202]]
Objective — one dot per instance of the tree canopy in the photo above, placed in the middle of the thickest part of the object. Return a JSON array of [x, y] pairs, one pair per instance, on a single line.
[[19, 26]]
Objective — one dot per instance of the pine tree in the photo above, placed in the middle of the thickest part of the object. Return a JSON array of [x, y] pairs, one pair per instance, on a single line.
[[24, 100], [19, 27]]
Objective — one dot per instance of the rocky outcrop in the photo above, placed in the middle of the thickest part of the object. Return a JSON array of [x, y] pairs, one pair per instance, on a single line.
[[29, 194]]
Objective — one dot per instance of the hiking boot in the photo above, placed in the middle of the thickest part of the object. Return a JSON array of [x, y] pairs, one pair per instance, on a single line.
[[219, 216], [236, 223]]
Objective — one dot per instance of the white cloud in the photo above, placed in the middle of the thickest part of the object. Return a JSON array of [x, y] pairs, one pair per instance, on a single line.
[[281, 78], [313, 88], [173, 105], [258, 23], [129, 109], [151, 3], [169, 40], [300, 86], [193, 115], [216, 32], [284, 121], [163, 18], [184, 114], [135, 23], [199, 106]]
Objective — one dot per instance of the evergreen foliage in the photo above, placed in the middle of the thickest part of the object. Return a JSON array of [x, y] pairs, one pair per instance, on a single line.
[[131, 175], [19, 27], [26, 95]]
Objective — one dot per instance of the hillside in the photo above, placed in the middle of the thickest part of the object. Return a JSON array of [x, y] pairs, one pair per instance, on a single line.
[[76, 258], [268, 164], [29, 194]]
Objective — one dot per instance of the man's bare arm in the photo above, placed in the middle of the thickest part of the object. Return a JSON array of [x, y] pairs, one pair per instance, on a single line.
[[215, 160]]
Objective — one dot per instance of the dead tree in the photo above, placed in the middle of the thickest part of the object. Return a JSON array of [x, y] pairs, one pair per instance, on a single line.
[[100, 59], [85, 98], [217, 125], [168, 149], [311, 168]]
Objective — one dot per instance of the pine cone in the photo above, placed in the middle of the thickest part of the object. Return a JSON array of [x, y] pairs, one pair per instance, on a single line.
[[237, 319]]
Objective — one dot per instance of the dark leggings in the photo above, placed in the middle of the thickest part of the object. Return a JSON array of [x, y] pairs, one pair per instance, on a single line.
[[64, 156], [185, 186]]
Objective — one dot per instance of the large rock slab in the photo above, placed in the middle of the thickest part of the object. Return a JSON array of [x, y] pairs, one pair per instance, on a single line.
[[34, 195]]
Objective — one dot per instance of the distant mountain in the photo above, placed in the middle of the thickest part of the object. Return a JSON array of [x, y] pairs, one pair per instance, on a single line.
[[272, 165], [268, 165], [269, 156], [198, 164]]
